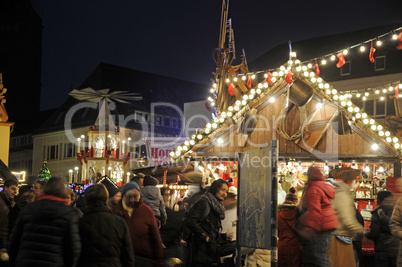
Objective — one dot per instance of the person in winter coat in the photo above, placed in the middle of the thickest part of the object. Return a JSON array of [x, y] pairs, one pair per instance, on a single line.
[[385, 244], [46, 233], [289, 248], [349, 229], [395, 225], [105, 237], [203, 247], [142, 227], [70, 201], [317, 219], [152, 197]]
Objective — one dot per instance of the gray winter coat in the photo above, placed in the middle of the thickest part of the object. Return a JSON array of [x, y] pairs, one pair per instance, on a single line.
[[152, 197]]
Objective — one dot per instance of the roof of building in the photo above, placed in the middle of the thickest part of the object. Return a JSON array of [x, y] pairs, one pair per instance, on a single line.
[[152, 87]]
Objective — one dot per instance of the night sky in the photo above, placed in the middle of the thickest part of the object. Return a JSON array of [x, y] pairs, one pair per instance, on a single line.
[[176, 37]]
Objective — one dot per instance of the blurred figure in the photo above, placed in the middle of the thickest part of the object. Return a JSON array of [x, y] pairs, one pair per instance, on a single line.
[[205, 237], [70, 201], [139, 179], [349, 229], [289, 248], [7, 206], [165, 195], [358, 242], [114, 194], [170, 232], [38, 187], [144, 232], [230, 204], [317, 219], [46, 233], [386, 245], [104, 236], [25, 196], [151, 196]]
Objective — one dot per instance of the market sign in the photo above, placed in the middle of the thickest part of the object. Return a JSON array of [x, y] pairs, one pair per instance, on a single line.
[[158, 149]]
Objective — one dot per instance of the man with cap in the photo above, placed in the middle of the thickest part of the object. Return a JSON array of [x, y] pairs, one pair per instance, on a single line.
[[144, 232], [153, 198], [114, 194]]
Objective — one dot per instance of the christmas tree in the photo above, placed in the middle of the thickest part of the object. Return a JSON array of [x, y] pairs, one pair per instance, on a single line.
[[44, 174]]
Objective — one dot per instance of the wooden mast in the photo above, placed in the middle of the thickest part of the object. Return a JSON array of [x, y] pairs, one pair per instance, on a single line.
[[223, 56]]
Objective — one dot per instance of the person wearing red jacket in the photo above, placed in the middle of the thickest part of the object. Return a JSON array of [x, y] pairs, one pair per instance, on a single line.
[[317, 220], [289, 248], [144, 232]]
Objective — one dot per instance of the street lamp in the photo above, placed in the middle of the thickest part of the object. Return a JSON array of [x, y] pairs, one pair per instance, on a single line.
[[76, 173], [70, 176]]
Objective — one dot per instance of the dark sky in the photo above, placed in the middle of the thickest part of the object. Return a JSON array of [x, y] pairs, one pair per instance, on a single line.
[[176, 37]]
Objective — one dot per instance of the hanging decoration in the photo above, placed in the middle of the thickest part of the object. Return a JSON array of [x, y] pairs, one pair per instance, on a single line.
[[316, 69], [249, 81], [230, 89], [399, 38], [341, 61], [371, 55], [268, 78], [396, 91], [288, 78]]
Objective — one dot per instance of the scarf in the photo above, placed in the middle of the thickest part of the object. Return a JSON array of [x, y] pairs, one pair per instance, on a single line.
[[216, 205]]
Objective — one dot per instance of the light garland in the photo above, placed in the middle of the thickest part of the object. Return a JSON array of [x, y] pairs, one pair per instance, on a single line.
[[323, 60], [301, 71]]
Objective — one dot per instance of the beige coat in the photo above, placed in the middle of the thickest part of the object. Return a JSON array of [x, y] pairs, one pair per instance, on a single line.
[[346, 212], [395, 224]]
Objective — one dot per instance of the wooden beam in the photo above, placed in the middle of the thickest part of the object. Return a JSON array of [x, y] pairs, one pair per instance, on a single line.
[[323, 132]]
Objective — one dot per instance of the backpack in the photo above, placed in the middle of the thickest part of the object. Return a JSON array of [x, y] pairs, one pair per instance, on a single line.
[[185, 232]]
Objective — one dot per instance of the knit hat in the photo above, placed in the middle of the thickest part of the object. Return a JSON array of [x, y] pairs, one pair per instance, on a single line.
[[129, 186], [149, 180], [314, 174], [381, 195], [291, 197], [112, 189]]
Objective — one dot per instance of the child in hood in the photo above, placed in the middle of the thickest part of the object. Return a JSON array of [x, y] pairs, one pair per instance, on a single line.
[[152, 197]]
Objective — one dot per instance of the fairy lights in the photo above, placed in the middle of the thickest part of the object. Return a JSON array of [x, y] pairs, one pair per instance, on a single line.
[[343, 99]]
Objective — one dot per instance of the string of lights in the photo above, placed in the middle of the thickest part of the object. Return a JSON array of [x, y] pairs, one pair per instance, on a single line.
[[294, 69]]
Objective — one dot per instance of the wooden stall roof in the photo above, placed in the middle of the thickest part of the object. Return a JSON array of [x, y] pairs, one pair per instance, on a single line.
[[305, 132], [184, 171]]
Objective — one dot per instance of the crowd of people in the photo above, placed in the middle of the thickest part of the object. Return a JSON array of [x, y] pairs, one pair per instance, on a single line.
[[47, 224], [325, 228]]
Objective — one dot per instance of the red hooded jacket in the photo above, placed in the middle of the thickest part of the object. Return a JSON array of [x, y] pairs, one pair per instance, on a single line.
[[319, 215]]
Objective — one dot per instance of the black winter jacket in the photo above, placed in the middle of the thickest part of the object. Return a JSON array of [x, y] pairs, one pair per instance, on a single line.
[[46, 234], [203, 226], [105, 239], [380, 232]]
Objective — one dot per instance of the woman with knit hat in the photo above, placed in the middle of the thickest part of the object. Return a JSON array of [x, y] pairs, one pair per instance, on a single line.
[[317, 219], [289, 248]]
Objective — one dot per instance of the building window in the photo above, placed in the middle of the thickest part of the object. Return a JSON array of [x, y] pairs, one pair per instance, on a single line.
[[379, 63], [345, 69], [158, 120], [52, 152], [14, 142], [376, 108], [69, 151]]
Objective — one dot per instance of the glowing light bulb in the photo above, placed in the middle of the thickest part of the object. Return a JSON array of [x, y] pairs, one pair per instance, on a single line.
[[323, 62], [364, 115], [171, 154], [334, 91], [372, 121], [390, 88], [356, 109], [358, 115], [397, 145], [258, 91], [333, 57], [345, 52], [362, 48], [350, 109], [365, 121], [271, 99], [381, 133], [374, 146], [387, 133], [379, 127], [373, 127], [389, 139], [394, 36], [378, 43], [227, 80], [192, 142], [319, 106], [235, 79], [395, 139], [357, 95]]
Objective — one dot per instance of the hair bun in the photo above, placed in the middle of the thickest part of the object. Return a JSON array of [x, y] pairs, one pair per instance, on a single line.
[[292, 190]]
